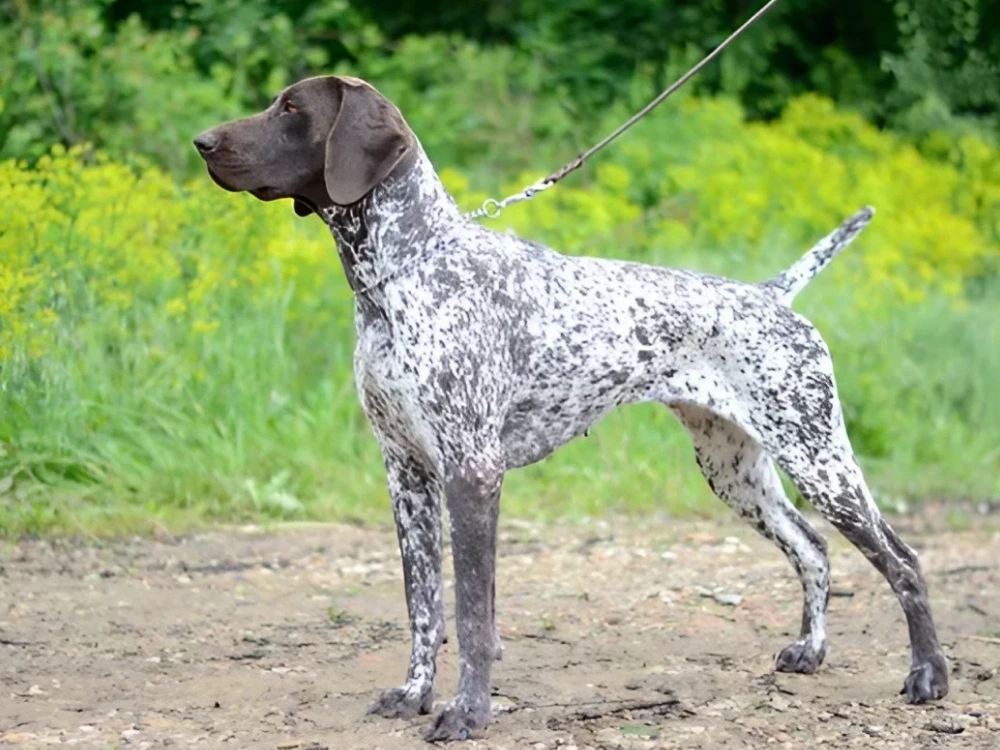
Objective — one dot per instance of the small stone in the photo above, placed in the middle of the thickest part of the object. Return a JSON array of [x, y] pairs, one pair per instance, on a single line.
[[501, 704], [963, 719], [778, 703], [730, 600], [874, 730]]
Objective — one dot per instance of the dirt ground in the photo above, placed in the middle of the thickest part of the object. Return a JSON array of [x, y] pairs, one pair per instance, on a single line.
[[619, 634]]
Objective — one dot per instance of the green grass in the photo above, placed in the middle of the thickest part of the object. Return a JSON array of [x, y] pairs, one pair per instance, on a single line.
[[113, 432]]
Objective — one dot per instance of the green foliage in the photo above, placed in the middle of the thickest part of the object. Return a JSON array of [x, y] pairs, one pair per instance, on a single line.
[[69, 76], [912, 63], [257, 47], [170, 352], [181, 354], [143, 76], [946, 73], [429, 79], [66, 78]]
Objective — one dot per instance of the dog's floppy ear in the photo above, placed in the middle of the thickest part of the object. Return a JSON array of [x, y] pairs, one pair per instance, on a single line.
[[368, 139]]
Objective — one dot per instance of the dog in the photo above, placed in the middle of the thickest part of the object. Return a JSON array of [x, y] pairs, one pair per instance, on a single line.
[[478, 352]]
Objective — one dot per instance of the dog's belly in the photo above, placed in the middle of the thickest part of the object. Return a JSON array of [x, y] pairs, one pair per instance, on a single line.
[[590, 352], [533, 430], [549, 416]]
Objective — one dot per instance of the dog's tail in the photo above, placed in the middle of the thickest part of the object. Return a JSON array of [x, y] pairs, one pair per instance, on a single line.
[[789, 283]]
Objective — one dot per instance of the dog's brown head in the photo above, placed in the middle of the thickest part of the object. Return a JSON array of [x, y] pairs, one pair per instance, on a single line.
[[327, 140]]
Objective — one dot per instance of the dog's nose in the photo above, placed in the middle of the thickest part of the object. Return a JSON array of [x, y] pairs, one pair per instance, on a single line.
[[207, 142]]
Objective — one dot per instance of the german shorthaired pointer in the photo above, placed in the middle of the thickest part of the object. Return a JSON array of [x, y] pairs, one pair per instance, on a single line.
[[479, 352]]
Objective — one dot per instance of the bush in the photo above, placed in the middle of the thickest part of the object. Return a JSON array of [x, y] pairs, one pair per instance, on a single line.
[[698, 176], [182, 353], [144, 76], [66, 78]]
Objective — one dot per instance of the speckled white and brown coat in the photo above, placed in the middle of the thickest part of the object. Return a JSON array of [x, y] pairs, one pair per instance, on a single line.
[[479, 352]]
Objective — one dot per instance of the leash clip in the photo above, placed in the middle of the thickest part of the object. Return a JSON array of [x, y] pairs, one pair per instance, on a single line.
[[491, 208]]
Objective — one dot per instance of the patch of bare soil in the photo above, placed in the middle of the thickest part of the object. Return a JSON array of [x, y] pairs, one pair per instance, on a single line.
[[619, 634]]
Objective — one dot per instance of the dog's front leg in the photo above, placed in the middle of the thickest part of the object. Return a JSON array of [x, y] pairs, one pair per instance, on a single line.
[[416, 505], [472, 490]]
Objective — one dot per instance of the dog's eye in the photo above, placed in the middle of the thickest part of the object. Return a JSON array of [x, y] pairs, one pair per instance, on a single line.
[[289, 107]]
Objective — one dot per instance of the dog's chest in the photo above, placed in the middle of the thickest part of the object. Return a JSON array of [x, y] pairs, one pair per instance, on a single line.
[[388, 361]]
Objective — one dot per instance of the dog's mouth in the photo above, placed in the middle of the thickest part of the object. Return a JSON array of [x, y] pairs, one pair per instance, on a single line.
[[263, 193], [267, 193]]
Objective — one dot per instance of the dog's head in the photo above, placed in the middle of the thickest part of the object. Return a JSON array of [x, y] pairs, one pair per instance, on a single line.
[[326, 140]]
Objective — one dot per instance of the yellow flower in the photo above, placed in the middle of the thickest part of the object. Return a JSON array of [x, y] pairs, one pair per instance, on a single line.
[[99, 239], [204, 326], [176, 306]]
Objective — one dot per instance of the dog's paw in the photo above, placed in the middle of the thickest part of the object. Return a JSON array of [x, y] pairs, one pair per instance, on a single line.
[[927, 681], [404, 702], [801, 657], [458, 722]]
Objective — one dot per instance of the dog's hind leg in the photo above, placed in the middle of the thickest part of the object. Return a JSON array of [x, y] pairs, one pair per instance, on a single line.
[[800, 423], [827, 474], [742, 475], [416, 505]]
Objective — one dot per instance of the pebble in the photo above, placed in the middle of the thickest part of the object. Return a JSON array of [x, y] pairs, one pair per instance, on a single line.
[[730, 600]]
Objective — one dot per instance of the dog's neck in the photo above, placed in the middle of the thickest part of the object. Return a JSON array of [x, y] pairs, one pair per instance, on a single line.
[[386, 230]]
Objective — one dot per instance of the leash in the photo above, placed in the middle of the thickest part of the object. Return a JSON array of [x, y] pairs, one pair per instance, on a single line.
[[491, 207]]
